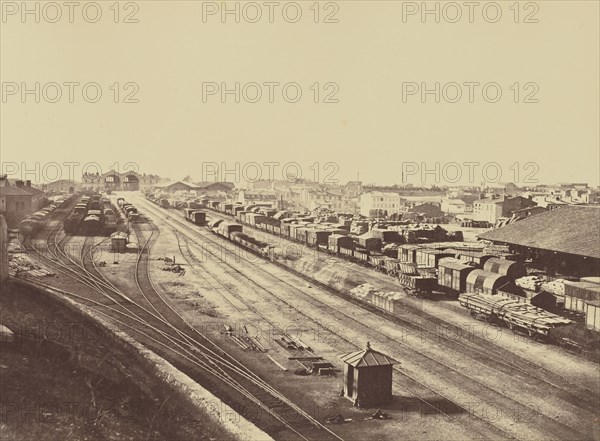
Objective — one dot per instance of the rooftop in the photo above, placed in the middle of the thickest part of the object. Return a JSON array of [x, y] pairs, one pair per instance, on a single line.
[[367, 357], [573, 230]]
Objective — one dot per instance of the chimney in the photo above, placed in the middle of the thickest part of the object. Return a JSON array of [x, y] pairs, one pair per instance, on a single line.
[[19, 184], [28, 183]]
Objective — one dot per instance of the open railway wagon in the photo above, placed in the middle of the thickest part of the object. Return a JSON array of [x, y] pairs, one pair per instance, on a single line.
[[519, 317]]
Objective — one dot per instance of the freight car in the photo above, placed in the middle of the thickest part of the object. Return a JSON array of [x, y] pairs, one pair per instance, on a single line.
[[249, 242], [429, 258], [509, 268], [481, 281], [337, 241], [519, 317], [226, 229], [418, 285], [90, 226], [195, 216], [577, 338], [452, 274]]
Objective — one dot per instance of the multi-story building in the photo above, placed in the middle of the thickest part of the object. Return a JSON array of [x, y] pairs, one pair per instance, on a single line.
[[388, 202], [495, 207]]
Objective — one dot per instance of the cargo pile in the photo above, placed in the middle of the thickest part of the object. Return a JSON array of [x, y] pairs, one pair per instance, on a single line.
[[532, 283], [556, 287]]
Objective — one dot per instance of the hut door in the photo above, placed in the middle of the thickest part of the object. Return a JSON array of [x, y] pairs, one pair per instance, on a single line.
[[350, 381]]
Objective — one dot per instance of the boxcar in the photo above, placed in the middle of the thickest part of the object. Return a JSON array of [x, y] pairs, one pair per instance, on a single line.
[[362, 255], [302, 234], [335, 241], [370, 243], [317, 237], [452, 274], [408, 253], [198, 217], [430, 258], [578, 293], [385, 235]]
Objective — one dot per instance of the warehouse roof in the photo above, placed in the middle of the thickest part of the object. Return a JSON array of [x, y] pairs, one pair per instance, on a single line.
[[367, 357], [572, 230]]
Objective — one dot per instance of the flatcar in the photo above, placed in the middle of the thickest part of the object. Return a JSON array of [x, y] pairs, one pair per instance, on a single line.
[[517, 316]]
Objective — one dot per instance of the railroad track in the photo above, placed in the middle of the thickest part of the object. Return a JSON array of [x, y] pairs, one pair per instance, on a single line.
[[160, 325], [478, 345], [506, 400]]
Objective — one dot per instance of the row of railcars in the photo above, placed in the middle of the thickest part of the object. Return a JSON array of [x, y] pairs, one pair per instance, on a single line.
[[421, 269], [34, 222], [368, 250]]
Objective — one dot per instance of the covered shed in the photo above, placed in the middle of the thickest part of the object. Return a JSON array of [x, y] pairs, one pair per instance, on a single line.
[[367, 377]]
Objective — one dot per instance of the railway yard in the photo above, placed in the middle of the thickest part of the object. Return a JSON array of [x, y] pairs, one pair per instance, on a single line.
[[262, 320]]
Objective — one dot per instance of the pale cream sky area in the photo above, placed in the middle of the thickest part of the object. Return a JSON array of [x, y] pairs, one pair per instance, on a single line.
[[371, 55]]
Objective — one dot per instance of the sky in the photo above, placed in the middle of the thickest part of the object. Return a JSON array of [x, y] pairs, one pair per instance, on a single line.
[[517, 94]]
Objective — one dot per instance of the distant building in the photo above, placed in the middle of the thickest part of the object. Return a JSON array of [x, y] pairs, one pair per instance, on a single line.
[[172, 187], [215, 187], [378, 200], [19, 200], [62, 186], [313, 198], [427, 210], [453, 206], [247, 197], [493, 208], [112, 180]]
